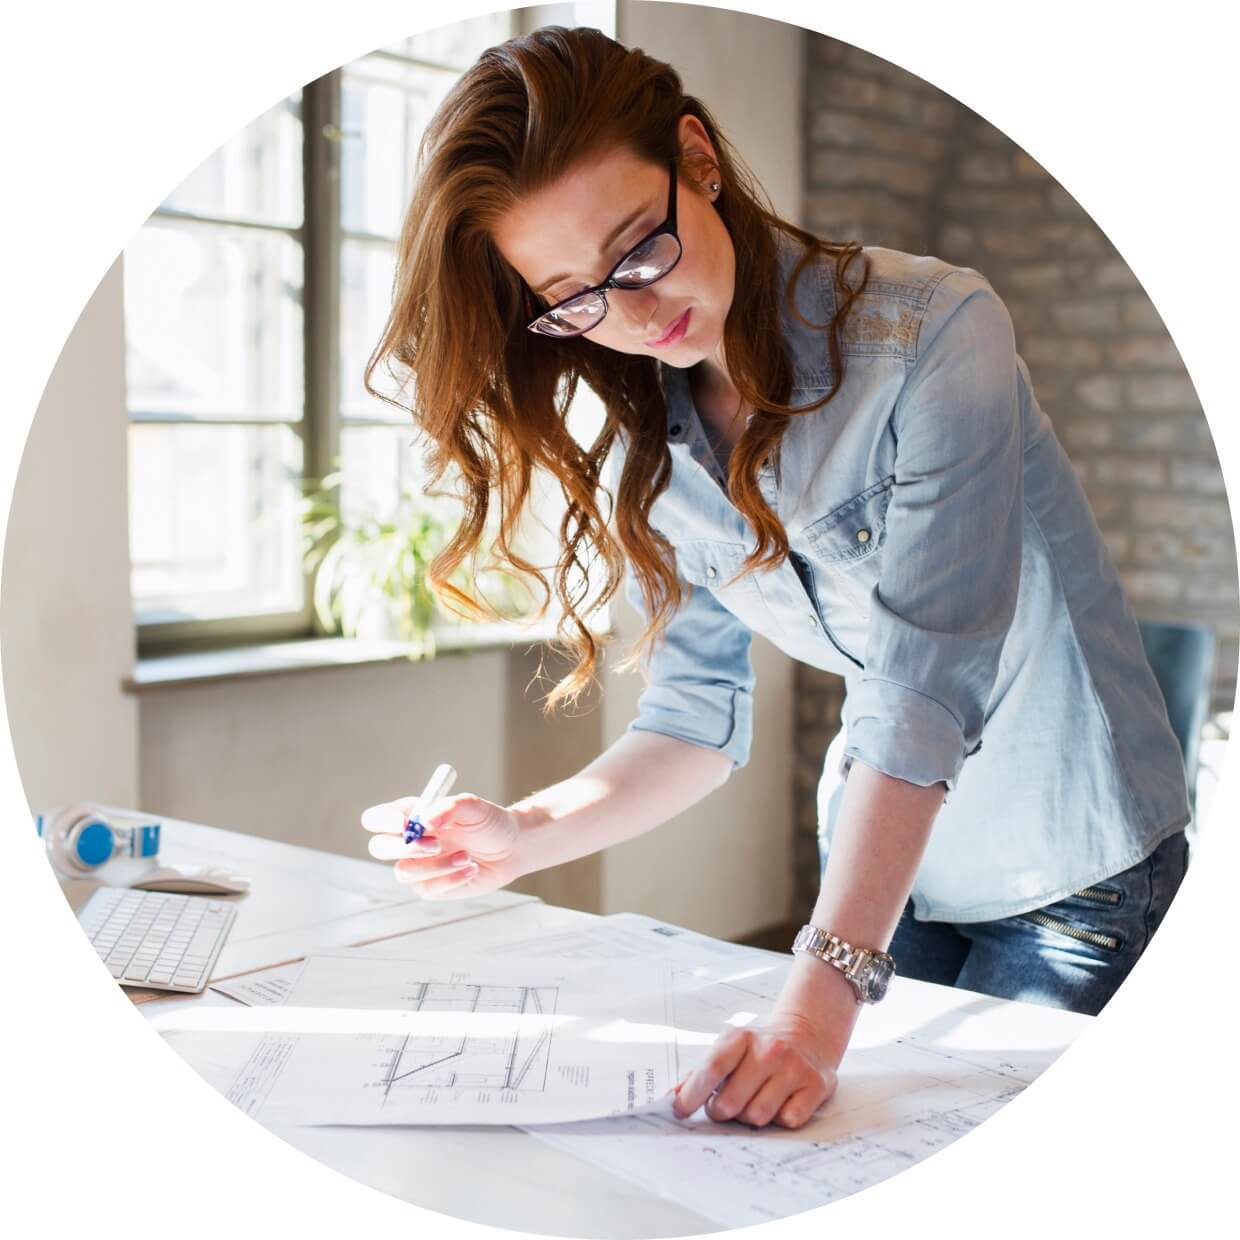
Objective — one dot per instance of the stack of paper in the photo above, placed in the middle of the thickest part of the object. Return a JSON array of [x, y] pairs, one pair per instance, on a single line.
[[533, 1032]]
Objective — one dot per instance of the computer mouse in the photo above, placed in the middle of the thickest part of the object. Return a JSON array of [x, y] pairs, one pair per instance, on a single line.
[[214, 880]]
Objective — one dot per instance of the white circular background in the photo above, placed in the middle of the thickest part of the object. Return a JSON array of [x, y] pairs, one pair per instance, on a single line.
[[107, 106]]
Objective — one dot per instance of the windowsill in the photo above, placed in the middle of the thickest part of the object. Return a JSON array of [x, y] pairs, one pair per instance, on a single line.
[[314, 654]]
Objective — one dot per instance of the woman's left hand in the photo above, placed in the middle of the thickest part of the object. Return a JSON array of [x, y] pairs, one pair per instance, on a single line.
[[779, 1072]]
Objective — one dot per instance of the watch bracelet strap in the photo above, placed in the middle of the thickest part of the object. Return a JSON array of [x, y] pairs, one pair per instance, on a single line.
[[834, 950]]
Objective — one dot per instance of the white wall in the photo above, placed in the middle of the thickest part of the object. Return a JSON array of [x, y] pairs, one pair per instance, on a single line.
[[66, 626], [749, 71], [297, 756], [723, 867]]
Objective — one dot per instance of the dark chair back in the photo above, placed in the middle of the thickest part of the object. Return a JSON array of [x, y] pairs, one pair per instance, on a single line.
[[1182, 658]]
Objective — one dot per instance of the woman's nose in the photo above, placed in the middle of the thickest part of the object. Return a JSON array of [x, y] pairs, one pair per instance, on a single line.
[[637, 307]]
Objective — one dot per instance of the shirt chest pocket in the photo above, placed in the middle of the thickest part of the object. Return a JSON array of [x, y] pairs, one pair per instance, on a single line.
[[854, 531], [845, 551]]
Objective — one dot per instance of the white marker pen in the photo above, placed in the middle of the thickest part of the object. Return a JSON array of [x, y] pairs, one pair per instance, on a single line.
[[442, 780]]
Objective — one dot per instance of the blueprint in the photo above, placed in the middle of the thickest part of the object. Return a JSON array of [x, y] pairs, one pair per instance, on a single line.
[[365, 1039], [920, 1072], [263, 986], [737, 1176], [923, 1068], [895, 1106]]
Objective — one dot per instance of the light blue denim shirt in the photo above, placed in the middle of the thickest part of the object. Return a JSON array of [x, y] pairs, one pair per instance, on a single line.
[[945, 562]]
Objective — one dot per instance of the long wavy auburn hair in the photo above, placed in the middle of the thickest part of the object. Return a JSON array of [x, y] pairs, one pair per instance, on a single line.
[[492, 398]]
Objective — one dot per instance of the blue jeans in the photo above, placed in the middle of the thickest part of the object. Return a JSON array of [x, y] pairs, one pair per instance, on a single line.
[[1071, 954]]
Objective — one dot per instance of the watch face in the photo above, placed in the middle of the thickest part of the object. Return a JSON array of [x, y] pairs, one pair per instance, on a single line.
[[878, 977]]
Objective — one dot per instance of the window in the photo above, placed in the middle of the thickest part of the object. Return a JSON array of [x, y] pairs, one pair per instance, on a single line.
[[385, 101], [253, 297], [214, 325]]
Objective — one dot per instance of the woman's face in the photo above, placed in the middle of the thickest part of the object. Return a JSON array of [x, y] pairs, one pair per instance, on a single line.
[[570, 234]]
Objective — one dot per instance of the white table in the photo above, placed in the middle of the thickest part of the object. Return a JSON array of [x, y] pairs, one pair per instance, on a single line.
[[302, 900]]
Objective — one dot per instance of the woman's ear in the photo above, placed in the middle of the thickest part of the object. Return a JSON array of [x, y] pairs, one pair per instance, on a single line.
[[697, 154]]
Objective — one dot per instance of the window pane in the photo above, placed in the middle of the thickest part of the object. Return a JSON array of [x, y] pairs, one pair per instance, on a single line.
[[385, 106], [213, 322], [255, 175], [366, 273], [459, 44], [214, 521], [378, 464]]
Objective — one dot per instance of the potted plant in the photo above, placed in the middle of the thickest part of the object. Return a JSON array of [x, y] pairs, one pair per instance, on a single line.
[[371, 572]]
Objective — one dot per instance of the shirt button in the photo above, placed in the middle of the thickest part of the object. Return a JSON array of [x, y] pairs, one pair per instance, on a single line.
[[863, 536], [813, 621], [712, 572], [676, 428]]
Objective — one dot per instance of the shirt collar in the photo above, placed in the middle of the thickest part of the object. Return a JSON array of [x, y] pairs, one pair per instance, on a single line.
[[807, 346]]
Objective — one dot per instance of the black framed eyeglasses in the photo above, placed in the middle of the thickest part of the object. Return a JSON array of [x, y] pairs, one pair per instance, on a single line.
[[649, 260]]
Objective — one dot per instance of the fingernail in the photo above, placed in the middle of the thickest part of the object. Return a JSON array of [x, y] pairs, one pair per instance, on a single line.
[[462, 861]]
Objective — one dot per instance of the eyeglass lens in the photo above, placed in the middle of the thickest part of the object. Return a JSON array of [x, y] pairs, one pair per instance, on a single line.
[[652, 260]]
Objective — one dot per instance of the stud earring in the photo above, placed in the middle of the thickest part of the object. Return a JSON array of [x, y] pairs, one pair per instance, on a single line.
[[714, 187]]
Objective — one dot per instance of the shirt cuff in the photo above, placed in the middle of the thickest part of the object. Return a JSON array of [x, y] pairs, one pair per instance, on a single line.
[[702, 714], [903, 733]]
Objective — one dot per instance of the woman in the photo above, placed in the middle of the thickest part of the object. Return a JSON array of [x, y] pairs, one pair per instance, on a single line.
[[835, 447]]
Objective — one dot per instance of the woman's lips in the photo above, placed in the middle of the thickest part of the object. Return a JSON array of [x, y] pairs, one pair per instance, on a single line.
[[675, 332]]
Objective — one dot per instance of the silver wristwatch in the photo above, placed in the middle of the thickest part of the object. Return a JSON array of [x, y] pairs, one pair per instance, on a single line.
[[868, 971]]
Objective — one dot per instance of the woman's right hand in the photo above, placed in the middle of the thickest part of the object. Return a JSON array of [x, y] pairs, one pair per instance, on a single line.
[[470, 845]]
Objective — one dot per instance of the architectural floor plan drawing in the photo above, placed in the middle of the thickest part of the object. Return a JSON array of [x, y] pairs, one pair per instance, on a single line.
[[516, 1058], [919, 1074], [737, 1176], [922, 1069], [353, 1038]]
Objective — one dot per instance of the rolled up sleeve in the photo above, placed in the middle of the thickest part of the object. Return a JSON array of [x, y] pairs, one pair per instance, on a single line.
[[699, 677], [951, 566]]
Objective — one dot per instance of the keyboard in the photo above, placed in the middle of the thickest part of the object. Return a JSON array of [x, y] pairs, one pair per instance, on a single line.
[[157, 940]]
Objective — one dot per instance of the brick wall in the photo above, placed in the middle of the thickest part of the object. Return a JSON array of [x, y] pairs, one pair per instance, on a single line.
[[878, 149], [892, 161]]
